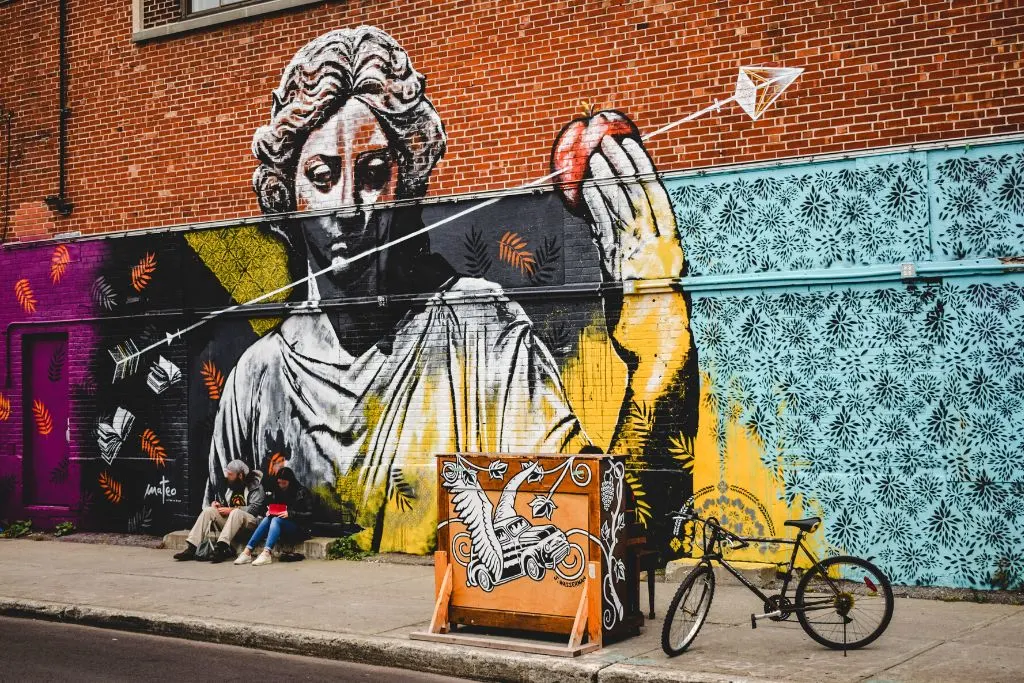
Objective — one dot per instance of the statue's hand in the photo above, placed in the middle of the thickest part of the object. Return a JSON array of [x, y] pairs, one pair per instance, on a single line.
[[631, 220]]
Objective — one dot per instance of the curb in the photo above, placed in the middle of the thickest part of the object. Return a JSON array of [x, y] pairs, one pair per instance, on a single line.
[[451, 660]]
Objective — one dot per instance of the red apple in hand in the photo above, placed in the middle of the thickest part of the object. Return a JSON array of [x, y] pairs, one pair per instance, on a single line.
[[573, 147]]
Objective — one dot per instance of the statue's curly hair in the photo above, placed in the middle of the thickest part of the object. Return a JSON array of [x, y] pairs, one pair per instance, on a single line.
[[369, 65]]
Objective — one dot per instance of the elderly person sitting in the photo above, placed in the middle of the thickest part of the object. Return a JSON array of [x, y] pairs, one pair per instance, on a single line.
[[239, 506]]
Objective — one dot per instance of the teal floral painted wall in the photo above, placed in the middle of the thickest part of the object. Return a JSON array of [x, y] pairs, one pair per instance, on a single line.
[[896, 408]]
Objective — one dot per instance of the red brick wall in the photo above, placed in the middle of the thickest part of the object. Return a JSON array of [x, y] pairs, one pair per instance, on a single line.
[[161, 131], [160, 12]]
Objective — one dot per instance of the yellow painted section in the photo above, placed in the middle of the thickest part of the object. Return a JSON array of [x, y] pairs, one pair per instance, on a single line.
[[744, 494], [247, 262], [594, 378]]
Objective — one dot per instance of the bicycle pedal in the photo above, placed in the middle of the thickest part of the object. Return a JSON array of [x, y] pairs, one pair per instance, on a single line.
[[753, 621]]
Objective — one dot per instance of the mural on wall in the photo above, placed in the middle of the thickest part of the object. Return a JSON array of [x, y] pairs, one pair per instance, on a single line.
[[891, 408], [360, 398]]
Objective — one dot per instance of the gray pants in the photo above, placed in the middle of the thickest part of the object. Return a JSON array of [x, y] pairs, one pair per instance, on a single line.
[[210, 518]]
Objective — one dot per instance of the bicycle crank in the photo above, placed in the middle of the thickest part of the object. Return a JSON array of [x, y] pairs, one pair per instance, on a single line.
[[781, 605], [769, 615]]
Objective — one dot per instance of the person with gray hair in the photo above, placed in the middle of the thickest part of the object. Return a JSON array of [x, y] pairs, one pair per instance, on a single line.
[[239, 505]]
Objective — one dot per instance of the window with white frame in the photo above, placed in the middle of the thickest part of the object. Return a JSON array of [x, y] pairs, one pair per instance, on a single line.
[[204, 5]]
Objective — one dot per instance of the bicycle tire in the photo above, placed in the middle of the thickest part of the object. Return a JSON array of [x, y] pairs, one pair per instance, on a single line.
[[862, 583], [672, 646]]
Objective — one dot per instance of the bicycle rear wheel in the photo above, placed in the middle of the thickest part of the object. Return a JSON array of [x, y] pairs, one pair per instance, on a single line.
[[688, 610], [844, 602]]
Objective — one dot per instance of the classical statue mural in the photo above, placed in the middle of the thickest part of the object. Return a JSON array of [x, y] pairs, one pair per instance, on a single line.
[[356, 393]]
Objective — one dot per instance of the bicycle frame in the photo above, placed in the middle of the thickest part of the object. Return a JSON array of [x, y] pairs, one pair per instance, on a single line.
[[712, 553]]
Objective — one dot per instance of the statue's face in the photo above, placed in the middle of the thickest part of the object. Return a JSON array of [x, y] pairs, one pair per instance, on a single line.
[[346, 162]]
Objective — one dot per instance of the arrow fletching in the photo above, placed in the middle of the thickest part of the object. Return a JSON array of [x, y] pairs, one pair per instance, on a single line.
[[126, 359], [757, 87]]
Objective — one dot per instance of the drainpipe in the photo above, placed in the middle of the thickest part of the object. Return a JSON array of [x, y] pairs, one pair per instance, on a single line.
[[6, 117], [59, 202]]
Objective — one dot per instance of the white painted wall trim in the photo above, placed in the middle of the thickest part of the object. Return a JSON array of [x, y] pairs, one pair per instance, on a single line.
[[227, 16]]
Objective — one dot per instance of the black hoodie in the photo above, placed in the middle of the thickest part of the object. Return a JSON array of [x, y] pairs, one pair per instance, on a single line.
[[298, 498]]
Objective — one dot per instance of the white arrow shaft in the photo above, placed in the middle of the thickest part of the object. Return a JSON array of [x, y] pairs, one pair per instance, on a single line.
[[718, 104], [686, 119]]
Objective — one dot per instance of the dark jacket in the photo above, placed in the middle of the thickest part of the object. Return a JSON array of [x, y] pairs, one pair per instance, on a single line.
[[298, 498], [255, 499]]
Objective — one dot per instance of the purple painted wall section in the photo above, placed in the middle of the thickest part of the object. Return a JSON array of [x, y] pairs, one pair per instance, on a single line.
[[45, 290]]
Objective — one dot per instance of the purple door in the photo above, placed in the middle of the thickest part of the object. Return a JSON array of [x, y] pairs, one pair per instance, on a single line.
[[45, 467]]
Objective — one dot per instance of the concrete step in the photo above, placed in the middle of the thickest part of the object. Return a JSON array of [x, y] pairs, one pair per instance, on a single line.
[[761, 574], [314, 548]]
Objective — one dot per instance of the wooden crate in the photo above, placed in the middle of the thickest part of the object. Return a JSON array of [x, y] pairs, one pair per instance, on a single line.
[[535, 543]]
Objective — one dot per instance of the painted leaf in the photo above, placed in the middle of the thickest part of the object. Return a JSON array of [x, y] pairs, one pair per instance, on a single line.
[[153, 449], [213, 379], [59, 263], [44, 421], [111, 488], [542, 506], [103, 294], [59, 474], [496, 469], [478, 261], [643, 510], [275, 463], [641, 416], [26, 299], [681, 449], [57, 360], [142, 273], [140, 521], [513, 250], [5, 408], [546, 266], [401, 491]]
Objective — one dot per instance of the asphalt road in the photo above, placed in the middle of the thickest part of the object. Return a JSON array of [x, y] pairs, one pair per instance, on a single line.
[[44, 651]]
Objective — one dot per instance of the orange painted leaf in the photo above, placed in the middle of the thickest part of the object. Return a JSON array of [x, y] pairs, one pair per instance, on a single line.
[[143, 272], [59, 263], [5, 408], [111, 487], [213, 379], [44, 422], [513, 250], [151, 446], [26, 299], [274, 464]]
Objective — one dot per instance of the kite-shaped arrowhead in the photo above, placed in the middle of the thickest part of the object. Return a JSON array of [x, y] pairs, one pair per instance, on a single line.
[[757, 87]]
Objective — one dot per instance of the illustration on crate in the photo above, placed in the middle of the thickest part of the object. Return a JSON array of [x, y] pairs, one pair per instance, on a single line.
[[501, 545]]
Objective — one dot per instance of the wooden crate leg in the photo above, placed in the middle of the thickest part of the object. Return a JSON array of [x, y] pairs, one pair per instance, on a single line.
[[439, 622], [579, 626], [596, 600]]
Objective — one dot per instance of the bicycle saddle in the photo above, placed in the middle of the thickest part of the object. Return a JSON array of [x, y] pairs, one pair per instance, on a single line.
[[808, 525]]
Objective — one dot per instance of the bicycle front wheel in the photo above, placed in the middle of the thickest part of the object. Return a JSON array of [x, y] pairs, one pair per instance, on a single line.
[[688, 610], [844, 602]]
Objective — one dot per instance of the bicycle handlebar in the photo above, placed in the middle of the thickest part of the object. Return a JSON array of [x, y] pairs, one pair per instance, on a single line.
[[688, 513]]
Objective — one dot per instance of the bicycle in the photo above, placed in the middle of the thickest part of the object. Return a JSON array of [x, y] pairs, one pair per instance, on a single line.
[[836, 599]]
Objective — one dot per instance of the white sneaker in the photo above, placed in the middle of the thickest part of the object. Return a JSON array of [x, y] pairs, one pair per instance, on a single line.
[[264, 558], [245, 557]]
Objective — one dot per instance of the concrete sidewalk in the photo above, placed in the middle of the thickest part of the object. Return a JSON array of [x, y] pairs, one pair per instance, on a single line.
[[364, 611]]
